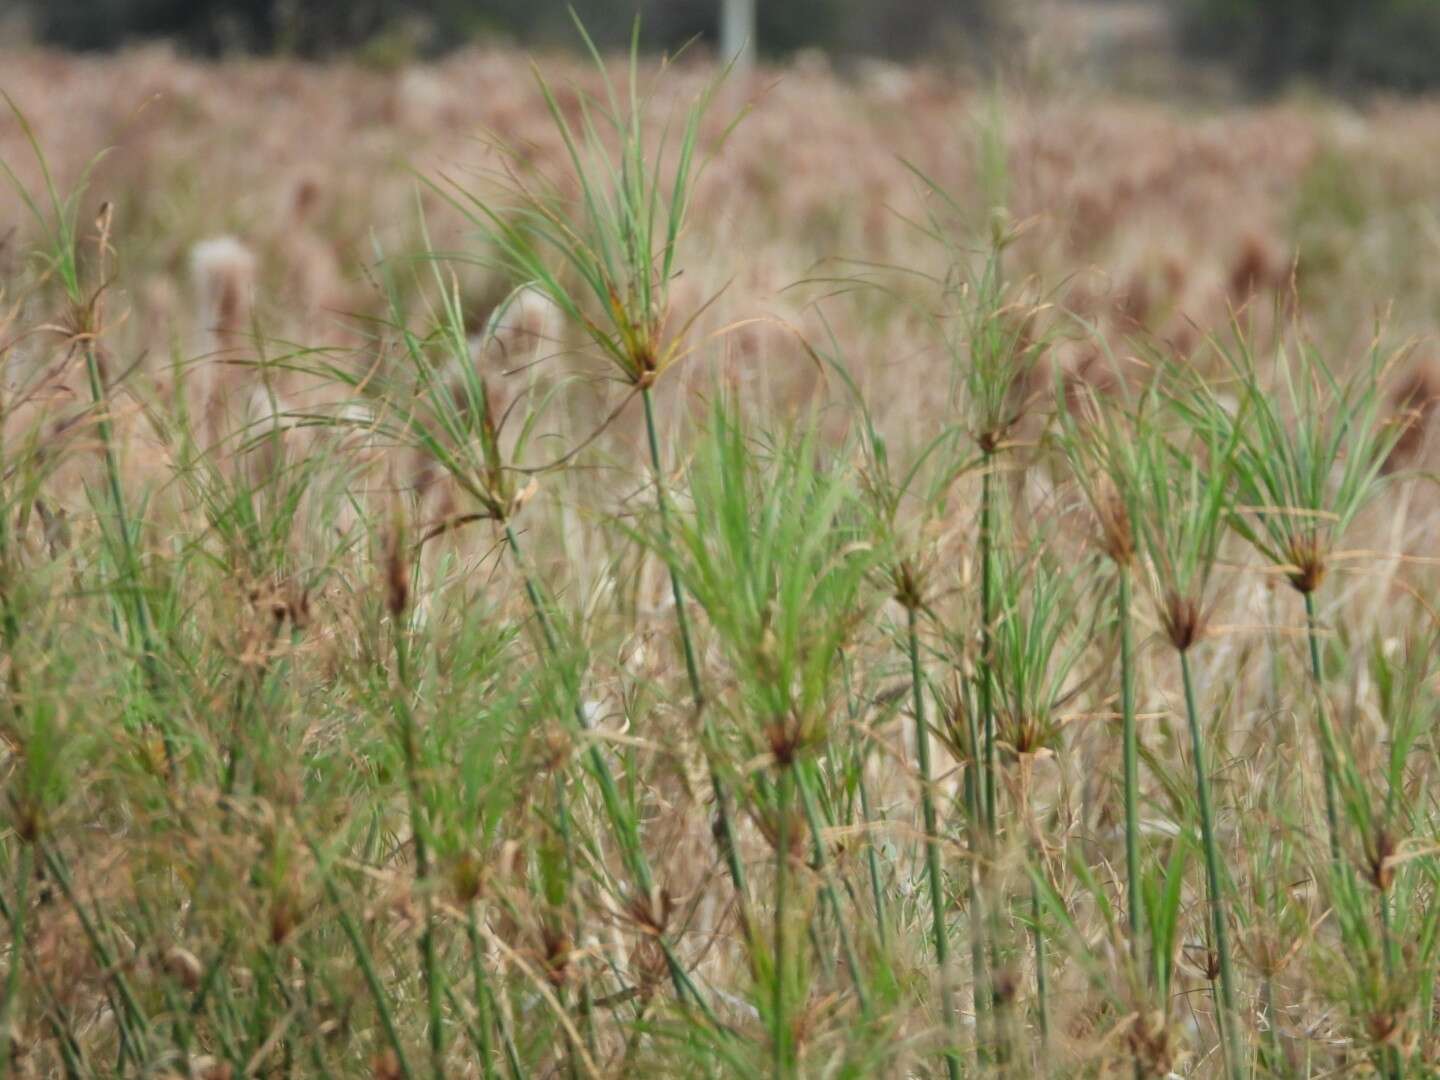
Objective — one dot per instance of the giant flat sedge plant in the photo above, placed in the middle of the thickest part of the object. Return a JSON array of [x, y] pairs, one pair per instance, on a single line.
[[1034, 655], [775, 555], [904, 506], [1397, 964], [989, 335], [1182, 496], [607, 260], [418, 404], [1098, 440], [81, 325], [1308, 458], [987, 330]]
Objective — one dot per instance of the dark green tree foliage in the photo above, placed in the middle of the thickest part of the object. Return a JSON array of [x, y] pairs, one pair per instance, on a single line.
[[1347, 44], [213, 26], [902, 28]]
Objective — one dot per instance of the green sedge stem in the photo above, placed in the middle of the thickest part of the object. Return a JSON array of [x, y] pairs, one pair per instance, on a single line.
[[1327, 736], [624, 826], [1132, 764], [428, 960], [832, 896], [730, 846], [677, 590], [1392, 1053], [481, 990], [1131, 750], [366, 962], [978, 923], [562, 811], [140, 609], [17, 947], [1227, 1013], [131, 1013], [784, 1065], [1042, 981], [932, 845], [987, 591], [872, 860]]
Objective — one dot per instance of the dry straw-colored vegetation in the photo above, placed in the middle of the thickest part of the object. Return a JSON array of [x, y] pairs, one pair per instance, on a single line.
[[514, 573]]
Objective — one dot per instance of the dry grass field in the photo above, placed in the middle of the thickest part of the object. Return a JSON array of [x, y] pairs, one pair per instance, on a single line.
[[535, 570]]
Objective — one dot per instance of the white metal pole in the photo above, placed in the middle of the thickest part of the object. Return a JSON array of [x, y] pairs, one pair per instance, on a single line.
[[737, 32]]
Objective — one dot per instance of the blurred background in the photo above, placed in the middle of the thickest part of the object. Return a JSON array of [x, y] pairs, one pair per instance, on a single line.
[[1170, 162], [1266, 45]]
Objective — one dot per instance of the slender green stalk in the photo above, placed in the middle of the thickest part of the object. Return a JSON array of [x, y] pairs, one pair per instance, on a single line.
[[987, 613], [623, 824], [9, 621], [730, 845], [1042, 979], [482, 995], [1002, 1022], [872, 858], [1393, 1065], [486, 996], [978, 921], [1131, 749], [1328, 772], [17, 947], [567, 839], [867, 815], [130, 1018], [317, 1052], [932, 847], [1327, 734], [1276, 1055], [1226, 1011], [1037, 931], [55, 1018], [682, 617], [246, 713], [782, 1035], [366, 962], [140, 608], [832, 895], [265, 1046], [429, 962]]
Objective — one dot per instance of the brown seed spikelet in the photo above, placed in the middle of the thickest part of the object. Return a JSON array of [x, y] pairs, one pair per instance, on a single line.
[[284, 915], [1183, 620], [1212, 965], [1003, 987], [785, 739], [1308, 563], [386, 1066], [397, 570], [1116, 537], [1379, 859], [559, 949], [1383, 1027], [467, 877], [1413, 403]]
